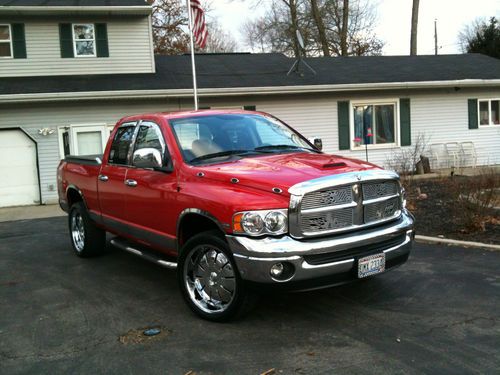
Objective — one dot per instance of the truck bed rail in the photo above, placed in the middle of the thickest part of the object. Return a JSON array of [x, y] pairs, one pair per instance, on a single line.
[[84, 159]]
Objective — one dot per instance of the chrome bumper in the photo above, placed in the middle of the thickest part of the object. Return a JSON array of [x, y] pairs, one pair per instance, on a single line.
[[254, 257]]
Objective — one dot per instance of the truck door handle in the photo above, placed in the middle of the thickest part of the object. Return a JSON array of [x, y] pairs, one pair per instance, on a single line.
[[103, 178], [131, 183]]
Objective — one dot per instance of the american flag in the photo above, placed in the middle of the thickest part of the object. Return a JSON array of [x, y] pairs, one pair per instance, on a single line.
[[200, 33]]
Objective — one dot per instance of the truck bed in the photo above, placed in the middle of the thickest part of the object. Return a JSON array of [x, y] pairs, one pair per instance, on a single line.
[[81, 172]]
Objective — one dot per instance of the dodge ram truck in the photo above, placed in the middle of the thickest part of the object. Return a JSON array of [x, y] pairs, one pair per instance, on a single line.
[[236, 202]]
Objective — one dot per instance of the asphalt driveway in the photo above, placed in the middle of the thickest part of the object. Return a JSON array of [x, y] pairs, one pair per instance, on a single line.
[[439, 313]]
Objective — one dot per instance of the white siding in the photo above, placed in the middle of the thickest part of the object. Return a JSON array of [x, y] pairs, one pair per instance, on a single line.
[[442, 117], [129, 42]]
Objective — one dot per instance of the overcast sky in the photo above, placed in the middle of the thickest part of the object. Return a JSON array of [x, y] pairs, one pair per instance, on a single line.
[[394, 18]]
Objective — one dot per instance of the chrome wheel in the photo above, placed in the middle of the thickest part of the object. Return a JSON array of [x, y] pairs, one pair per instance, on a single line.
[[77, 230], [209, 277]]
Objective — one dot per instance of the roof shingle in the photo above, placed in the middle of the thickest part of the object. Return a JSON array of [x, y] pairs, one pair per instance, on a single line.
[[268, 70]]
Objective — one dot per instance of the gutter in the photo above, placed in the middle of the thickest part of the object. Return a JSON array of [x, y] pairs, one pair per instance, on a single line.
[[46, 10], [241, 91]]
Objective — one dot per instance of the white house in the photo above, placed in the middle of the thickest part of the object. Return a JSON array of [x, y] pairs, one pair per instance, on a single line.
[[69, 69]]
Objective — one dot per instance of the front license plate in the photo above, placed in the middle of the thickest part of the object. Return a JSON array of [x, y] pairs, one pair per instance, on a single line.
[[371, 265]]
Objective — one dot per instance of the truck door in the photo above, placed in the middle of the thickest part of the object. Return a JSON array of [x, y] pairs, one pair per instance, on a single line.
[[111, 180], [150, 195]]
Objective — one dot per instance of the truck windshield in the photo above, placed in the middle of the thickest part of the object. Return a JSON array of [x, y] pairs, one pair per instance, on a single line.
[[225, 136]]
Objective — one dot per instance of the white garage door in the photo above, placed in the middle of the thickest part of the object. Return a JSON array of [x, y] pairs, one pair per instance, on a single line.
[[18, 169]]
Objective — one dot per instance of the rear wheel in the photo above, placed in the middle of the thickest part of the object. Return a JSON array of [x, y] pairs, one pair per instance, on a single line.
[[209, 280], [86, 238]]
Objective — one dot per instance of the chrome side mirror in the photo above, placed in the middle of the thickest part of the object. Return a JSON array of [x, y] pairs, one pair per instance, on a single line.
[[317, 142], [147, 158]]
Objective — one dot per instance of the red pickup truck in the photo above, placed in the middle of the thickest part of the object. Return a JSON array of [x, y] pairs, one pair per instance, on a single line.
[[236, 201]]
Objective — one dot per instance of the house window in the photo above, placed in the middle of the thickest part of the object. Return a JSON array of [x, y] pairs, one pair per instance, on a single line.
[[489, 112], [5, 41], [84, 40], [374, 124]]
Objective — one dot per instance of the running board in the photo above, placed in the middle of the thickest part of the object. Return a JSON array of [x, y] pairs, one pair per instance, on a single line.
[[148, 255]]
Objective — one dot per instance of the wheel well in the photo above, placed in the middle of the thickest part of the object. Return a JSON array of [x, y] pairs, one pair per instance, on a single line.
[[192, 224], [73, 196]]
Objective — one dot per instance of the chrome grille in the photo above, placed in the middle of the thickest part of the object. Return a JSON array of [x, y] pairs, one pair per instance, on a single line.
[[340, 208], [327, 197], [328, 220], [375, 190], [381, 210]]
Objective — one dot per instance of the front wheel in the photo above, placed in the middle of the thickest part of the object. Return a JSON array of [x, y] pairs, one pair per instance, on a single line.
[[209, 280]]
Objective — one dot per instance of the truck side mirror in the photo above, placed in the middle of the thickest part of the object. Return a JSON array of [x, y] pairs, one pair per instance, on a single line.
[[147, 158], [317, 142]]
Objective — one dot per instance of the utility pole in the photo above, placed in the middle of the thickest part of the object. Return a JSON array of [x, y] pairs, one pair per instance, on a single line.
[[435, 37]]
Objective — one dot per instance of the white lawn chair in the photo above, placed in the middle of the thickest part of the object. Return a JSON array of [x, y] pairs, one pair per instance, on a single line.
[[469, 155], [454, 154], [439, 156]]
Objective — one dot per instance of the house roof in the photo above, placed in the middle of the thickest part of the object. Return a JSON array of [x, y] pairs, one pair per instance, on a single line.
[[42, 8], [266, 73], [72, 3]]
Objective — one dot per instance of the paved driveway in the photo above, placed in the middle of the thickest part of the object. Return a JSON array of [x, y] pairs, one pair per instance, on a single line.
[[439, 313]]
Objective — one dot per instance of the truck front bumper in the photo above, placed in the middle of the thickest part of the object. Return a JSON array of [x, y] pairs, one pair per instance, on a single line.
[[321, 262]]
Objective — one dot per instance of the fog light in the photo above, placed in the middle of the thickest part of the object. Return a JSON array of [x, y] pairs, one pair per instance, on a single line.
[[282, 272], [277, 270]]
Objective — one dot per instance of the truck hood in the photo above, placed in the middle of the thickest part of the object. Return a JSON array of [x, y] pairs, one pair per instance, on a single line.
[[281, 170]]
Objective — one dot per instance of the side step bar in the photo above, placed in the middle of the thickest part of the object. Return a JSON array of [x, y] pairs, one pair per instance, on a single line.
[[148, 255]]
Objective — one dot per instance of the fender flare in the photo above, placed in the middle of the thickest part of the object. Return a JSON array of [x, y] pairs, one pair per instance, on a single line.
[[74, 187], [198, 212]]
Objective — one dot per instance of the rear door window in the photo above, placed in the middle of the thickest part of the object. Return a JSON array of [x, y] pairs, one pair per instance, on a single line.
[[121, 144]]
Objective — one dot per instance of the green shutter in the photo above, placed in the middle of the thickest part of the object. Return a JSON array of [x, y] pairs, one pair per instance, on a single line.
[[66, 40], [343, 119], [18, 40], [101, 37], [473, 114], [404, 121], [250, 108]]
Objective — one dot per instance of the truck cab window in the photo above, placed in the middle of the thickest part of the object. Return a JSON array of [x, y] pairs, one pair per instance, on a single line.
[[121, 144]]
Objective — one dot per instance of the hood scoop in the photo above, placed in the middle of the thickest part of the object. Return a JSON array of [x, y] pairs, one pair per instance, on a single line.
[[334, 165]]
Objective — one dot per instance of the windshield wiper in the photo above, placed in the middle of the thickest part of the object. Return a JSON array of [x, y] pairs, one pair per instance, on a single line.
[[222, 153], [283, 147]]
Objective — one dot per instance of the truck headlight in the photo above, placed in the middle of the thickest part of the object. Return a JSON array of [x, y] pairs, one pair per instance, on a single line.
[[255, 223], [275, 221]]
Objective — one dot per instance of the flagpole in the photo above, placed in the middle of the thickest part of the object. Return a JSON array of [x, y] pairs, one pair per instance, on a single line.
[[195, 88]]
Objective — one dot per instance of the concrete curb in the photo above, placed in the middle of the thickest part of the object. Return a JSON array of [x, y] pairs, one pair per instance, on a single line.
[[448, 241]]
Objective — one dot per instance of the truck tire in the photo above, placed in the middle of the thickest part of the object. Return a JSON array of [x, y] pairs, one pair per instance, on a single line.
[[209, 280], [86, 238]]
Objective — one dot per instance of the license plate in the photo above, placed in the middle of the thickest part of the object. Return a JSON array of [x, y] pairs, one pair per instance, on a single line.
[[371, 265]]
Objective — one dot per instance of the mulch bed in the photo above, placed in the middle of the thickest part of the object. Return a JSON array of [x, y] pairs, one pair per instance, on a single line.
[[438, 212]]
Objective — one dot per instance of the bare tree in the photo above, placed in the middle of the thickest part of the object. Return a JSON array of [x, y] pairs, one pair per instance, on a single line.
[[170, 21], [219, 40], [359, 18], [414, 27], [275, 31], [318, 20]]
